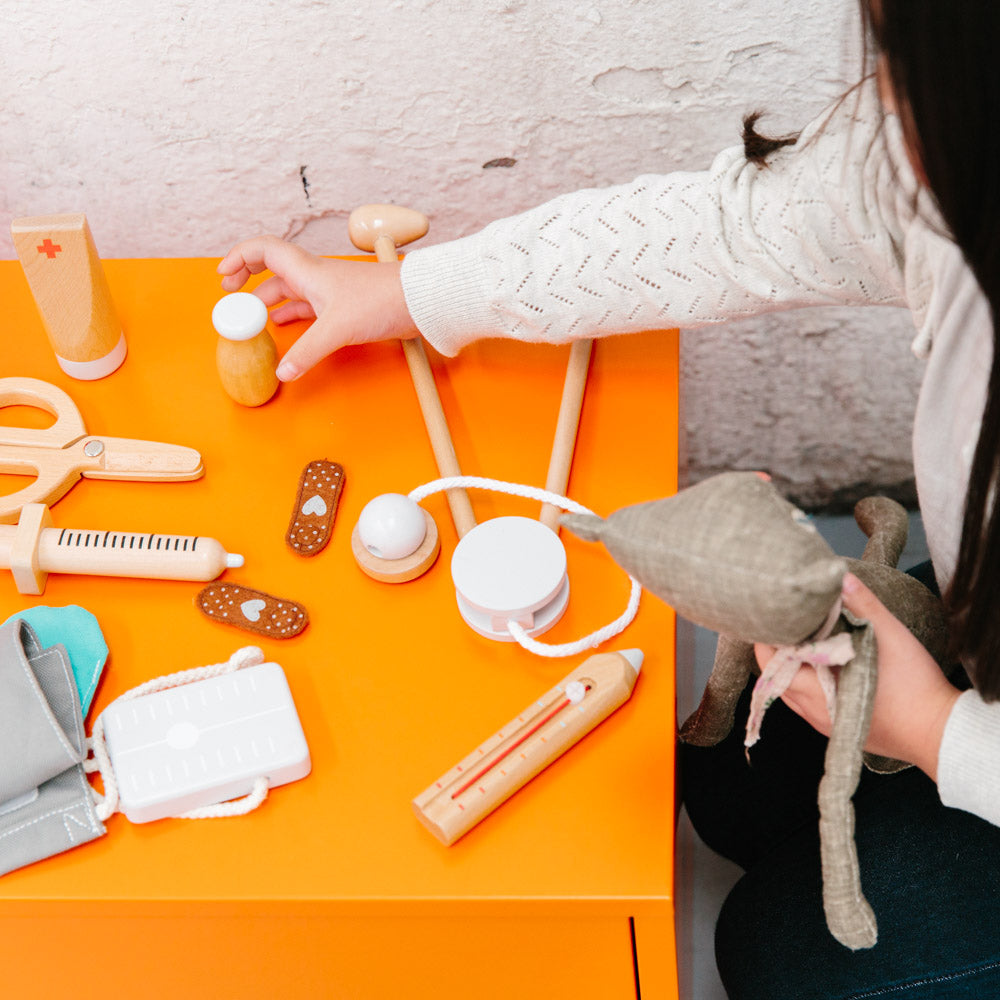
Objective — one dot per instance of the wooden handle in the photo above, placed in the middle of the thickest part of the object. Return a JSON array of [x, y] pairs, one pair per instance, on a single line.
[[57, 469], [422, 376], [567, 424], [22, 391]]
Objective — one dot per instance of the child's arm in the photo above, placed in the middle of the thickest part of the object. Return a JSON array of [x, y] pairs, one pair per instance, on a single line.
[[824, 222]]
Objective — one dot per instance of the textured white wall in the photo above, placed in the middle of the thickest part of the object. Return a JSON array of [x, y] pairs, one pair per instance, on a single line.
[[180, 127]]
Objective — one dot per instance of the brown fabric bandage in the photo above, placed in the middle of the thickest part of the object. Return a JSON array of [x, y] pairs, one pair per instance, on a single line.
[[252, 610], [315, 508]]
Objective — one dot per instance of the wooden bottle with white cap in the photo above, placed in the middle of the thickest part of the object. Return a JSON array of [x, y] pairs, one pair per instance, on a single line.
[[245, 355]]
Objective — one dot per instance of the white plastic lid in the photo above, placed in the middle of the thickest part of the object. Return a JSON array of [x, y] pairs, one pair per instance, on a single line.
[[239, 316], [509, 566]]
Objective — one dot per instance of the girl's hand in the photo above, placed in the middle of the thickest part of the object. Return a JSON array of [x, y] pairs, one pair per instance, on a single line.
[[913, 699], [351, 302]]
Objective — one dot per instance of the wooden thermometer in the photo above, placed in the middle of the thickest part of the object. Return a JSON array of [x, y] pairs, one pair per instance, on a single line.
[[496, 769], [67, 281]]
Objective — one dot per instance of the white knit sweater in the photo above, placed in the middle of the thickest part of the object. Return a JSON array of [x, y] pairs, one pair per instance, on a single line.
[[837, 219]]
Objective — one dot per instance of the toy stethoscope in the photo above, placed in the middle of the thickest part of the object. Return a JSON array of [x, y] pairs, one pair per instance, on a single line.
[[509, 572]]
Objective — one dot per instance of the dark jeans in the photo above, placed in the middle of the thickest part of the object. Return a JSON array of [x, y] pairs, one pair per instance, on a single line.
[[931, 874]]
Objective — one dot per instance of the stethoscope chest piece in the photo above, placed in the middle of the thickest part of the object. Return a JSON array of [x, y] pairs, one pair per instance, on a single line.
[[510, 569]]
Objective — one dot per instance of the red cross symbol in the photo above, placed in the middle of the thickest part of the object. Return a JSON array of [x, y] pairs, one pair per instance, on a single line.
[[49, 248]]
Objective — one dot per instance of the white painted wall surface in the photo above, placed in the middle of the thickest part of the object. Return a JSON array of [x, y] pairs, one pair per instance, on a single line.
[[180, 127]]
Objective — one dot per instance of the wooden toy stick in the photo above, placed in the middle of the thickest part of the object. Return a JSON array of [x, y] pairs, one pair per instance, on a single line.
[[69, 286], [566, 427], [544, 731], [382, 229], [34, 548]]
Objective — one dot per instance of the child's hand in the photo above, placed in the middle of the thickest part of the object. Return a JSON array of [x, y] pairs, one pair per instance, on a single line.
[[913, 699], [352, 302]]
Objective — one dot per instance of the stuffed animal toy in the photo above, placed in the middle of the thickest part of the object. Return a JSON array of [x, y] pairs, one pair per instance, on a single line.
[[732, 555]]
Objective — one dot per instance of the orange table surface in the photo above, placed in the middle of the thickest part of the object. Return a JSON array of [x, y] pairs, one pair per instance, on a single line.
[[392, 687]]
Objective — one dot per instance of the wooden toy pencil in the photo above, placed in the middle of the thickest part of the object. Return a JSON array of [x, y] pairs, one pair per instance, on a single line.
[[544, 731]]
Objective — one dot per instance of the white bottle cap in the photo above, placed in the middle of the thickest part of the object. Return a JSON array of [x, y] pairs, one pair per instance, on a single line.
[[239, 316]]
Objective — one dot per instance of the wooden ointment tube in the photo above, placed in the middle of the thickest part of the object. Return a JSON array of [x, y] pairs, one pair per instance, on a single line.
[[69, 286], [544, 731]]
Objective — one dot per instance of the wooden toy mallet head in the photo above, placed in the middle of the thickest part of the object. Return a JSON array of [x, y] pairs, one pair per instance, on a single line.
[[375, 228]]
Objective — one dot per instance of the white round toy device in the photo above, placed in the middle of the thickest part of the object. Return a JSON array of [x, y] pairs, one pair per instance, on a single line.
[[510, 569], [509, 572]]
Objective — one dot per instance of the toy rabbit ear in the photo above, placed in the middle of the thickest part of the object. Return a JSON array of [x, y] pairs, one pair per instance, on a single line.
[[848, 914]]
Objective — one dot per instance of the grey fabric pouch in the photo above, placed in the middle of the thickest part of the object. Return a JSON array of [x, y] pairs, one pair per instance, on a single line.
[[46, 803]]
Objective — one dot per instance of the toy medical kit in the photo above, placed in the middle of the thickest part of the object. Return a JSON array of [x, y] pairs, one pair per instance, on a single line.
[[315, 510], [732, 555], [381, 229], [201, 743], [61, 454], [509, 572], [245, 353], [544, 731], [77, 630], [71, 292], [252, 610], [46, 802], [34, 548]]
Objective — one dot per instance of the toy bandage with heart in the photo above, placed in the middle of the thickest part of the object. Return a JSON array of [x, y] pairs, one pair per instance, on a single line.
[[252, 610], [315, 508]]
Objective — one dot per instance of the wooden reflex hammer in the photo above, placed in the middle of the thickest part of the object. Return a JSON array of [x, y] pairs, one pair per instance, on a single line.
[[382, 229], [544, 731], [70, 289]]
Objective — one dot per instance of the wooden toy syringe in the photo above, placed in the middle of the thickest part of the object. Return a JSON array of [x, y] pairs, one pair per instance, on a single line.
[[33, 548], [496, 769]]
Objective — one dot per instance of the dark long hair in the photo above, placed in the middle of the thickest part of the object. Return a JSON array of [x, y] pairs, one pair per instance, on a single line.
[[944, 70]]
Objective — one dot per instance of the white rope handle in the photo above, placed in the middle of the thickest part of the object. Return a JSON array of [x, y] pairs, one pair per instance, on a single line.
[[99, 759], [563, 503]]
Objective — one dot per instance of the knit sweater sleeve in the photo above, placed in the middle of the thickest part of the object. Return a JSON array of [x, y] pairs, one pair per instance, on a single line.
[[822, 222], [968, 771]]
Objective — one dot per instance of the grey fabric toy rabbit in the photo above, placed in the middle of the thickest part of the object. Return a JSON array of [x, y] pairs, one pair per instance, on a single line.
[[734, 556]]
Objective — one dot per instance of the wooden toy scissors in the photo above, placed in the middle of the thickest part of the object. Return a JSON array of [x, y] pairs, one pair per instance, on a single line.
[[59, 455]]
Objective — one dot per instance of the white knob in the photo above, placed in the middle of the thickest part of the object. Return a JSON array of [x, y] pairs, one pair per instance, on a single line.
[[392, 526], [239, 316]]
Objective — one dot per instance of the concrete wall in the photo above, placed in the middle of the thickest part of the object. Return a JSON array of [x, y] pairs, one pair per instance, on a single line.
[[181, 127]]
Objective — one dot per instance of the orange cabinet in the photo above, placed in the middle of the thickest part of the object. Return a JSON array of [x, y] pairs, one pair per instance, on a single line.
[[333, 888]]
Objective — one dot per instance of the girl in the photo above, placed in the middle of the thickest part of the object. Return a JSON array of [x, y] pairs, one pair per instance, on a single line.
[[890, 198]]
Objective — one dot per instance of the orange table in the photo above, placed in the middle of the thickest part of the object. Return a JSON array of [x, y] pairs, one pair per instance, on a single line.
[[332, 888]]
